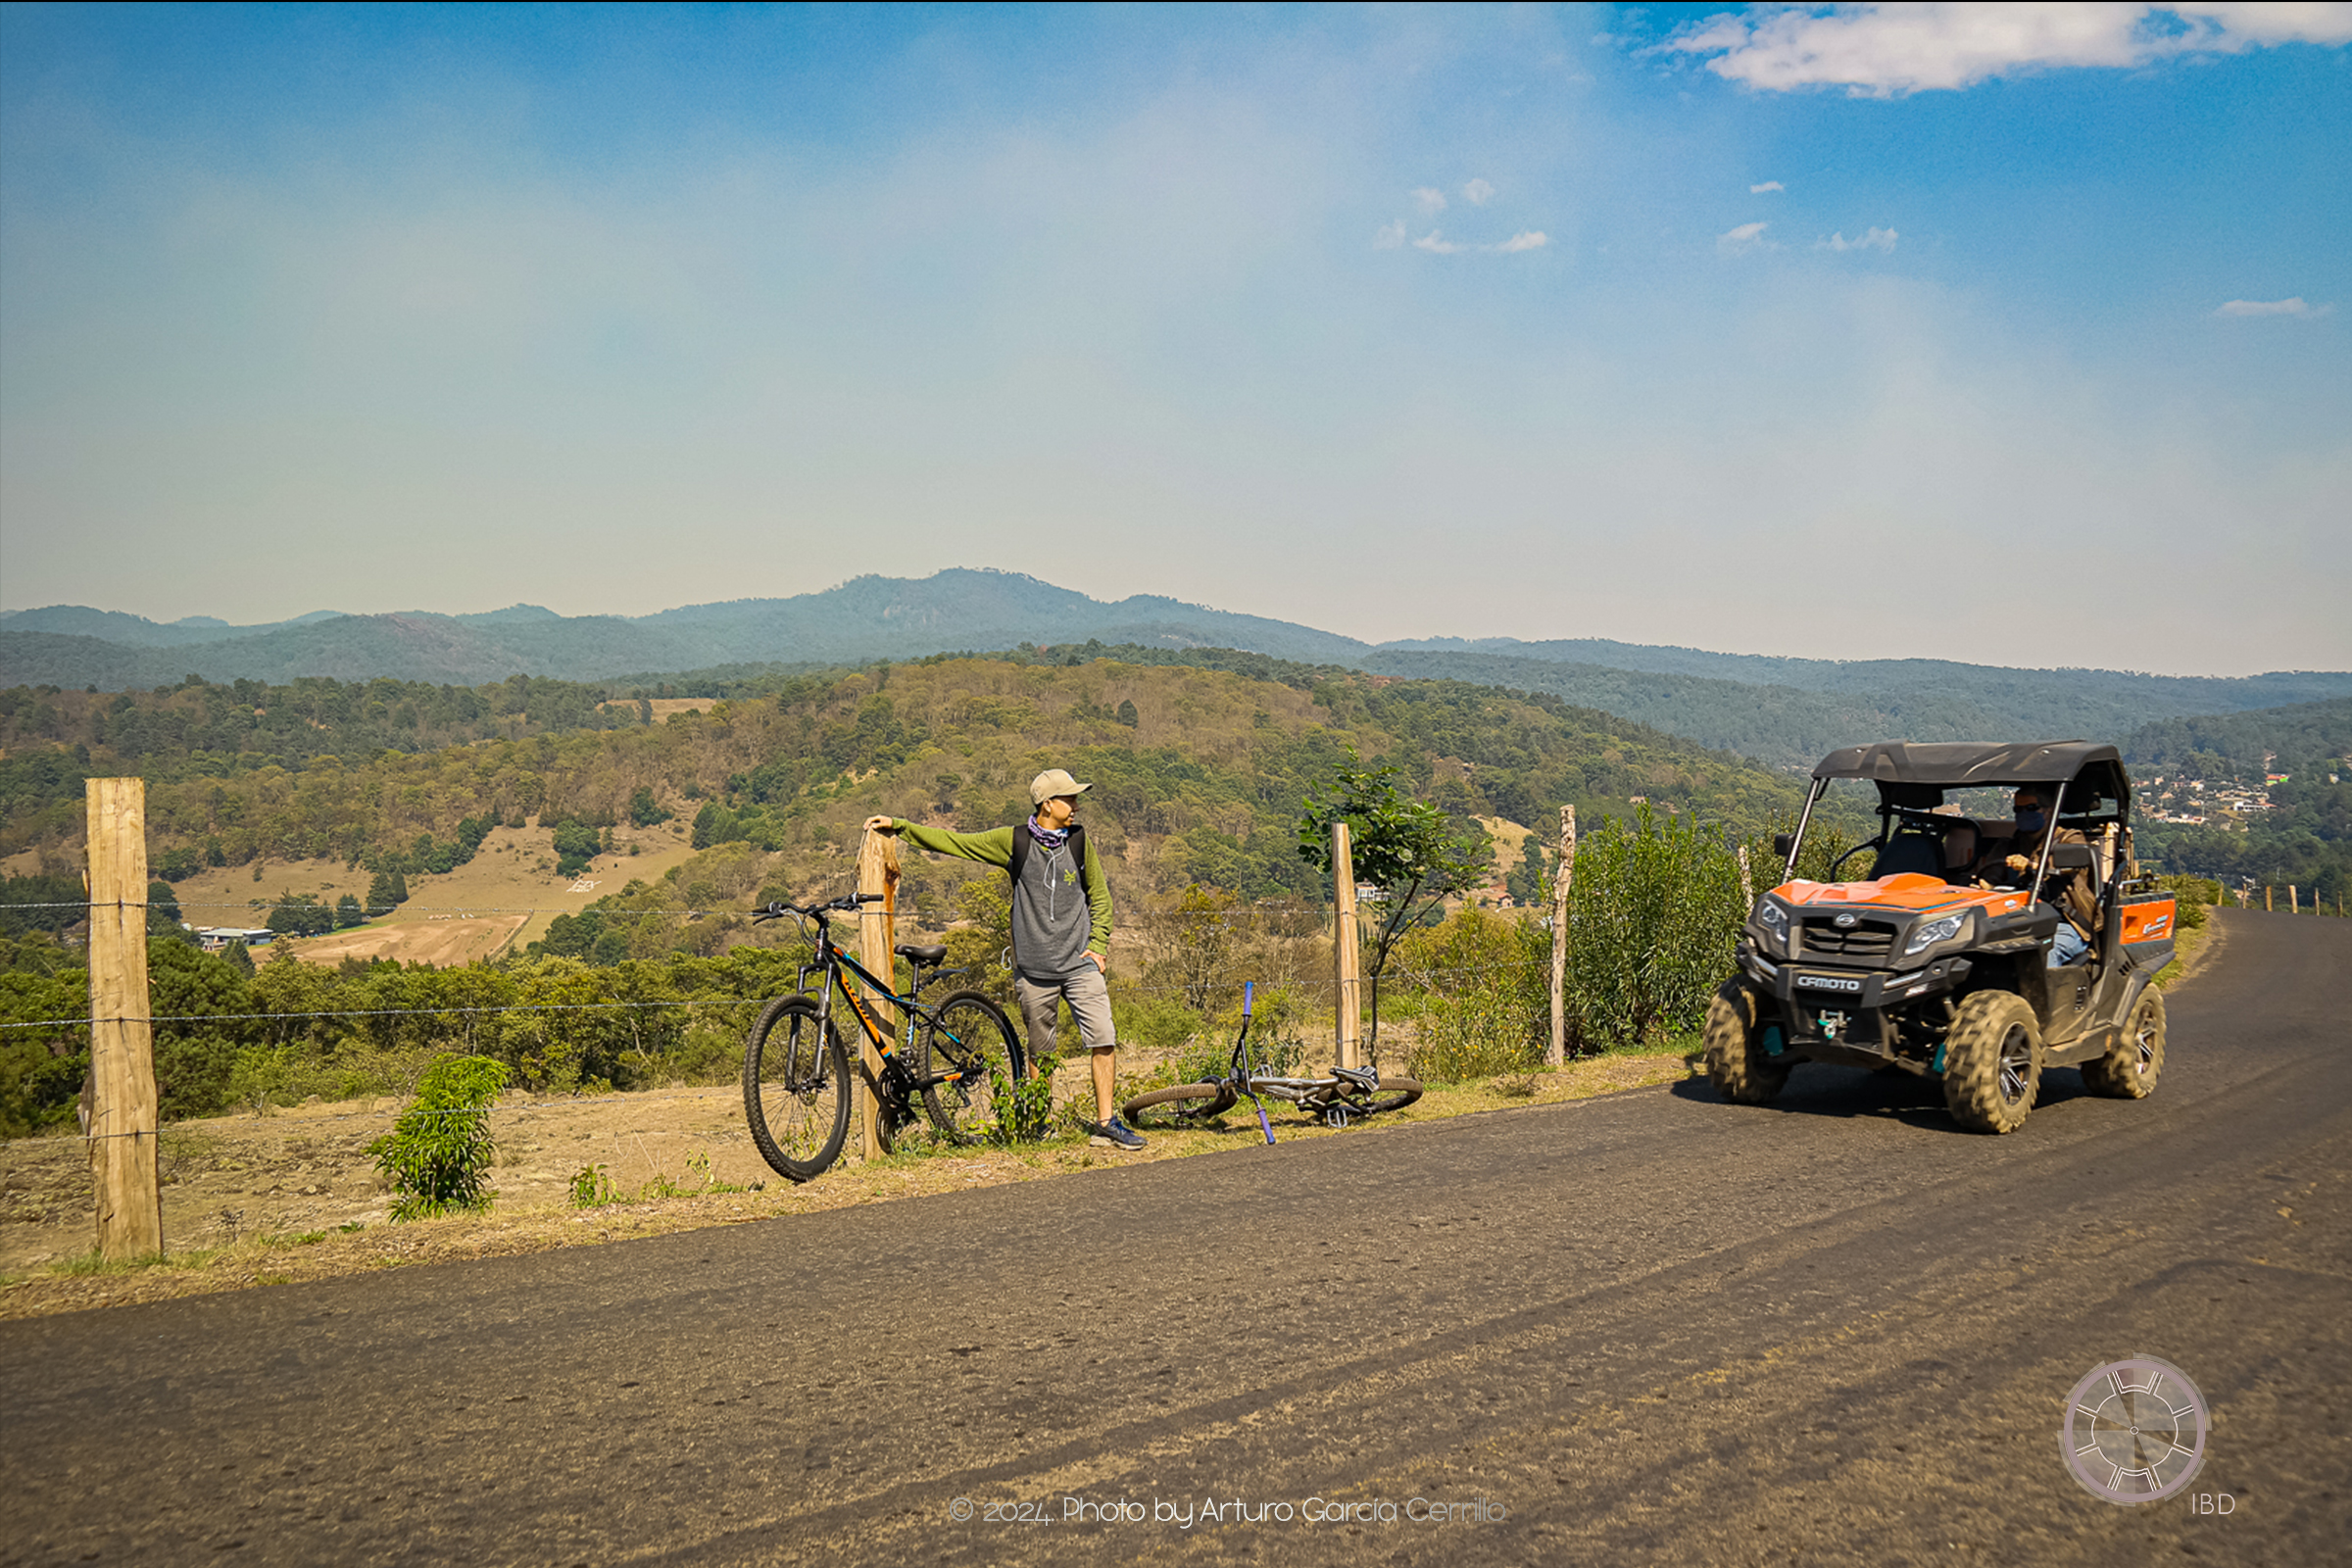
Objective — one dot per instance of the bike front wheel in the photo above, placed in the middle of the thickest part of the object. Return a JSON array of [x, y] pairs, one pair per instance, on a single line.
[[796, 1089], [970, 1037], [1184, 1106]]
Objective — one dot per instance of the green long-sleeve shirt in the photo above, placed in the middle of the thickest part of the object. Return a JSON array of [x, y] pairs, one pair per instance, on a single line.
[[1060, 912]]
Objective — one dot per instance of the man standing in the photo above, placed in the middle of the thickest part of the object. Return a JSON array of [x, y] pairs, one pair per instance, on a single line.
[[1061, 927]]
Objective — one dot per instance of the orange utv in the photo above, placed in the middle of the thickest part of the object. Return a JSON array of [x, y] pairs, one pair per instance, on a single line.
[[1941, 965]]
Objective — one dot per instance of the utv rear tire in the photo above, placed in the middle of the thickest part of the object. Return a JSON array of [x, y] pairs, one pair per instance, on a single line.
[[2133, 1063], [1992, 1062], [1734, 1039]]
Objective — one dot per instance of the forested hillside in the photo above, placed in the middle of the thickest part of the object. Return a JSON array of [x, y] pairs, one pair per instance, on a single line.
[[2246, 745], [1787, 711], [1821, 705], [2303, 838], [1200, 772]]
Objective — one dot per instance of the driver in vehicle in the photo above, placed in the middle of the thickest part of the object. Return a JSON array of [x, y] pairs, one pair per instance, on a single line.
[[2068, 891]]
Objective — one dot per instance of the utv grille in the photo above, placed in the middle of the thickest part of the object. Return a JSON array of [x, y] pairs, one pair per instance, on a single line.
[[1869, 940]]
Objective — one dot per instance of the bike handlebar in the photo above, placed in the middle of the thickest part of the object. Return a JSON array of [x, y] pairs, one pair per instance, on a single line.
[[816, 912]]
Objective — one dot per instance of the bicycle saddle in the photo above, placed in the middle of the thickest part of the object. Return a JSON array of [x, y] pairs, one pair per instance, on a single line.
[[1361, 1077], [921, 954]]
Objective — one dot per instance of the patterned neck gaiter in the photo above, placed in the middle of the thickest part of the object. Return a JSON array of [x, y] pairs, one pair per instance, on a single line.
[[1047, 838]]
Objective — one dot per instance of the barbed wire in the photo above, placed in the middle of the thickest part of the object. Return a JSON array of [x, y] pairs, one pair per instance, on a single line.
[[568, 1101], [1127, 988], [395, 1012], [378, 911]]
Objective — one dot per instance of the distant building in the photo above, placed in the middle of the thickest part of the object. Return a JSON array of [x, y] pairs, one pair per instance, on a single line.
[[213, 938]]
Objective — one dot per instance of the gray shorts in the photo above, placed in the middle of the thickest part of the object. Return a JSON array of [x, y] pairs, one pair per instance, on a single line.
[[1089, 997]]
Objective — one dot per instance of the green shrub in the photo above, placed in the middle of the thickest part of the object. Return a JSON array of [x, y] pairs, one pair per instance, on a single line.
[[1022, 1109], [1486, 996], [1157, 1024], [2196, 894], [437, 1154], [1653, 911], [592, 1188]]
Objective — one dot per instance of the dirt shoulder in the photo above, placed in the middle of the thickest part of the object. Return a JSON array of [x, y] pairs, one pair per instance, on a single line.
[[2192, 951], [252, 1201]]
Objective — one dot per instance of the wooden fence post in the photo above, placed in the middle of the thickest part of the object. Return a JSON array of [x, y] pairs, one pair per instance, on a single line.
[[2267, 906], [1346, 955], [1555, 1055], [2294, 900], [877, 933], [123, 1112]]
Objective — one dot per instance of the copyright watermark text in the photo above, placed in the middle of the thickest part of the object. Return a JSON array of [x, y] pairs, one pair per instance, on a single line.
[[1183, 1513]]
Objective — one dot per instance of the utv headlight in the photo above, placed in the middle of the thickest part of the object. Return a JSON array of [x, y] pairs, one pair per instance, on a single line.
[[1924, 937], [1775, 921]]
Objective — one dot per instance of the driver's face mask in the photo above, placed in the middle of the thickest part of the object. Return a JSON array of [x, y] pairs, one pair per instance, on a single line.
[[2029, 818]]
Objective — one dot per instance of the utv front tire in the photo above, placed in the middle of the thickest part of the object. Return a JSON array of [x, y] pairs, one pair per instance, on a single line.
[[2133, 1063], [1734, 1039], [1992, 1062]]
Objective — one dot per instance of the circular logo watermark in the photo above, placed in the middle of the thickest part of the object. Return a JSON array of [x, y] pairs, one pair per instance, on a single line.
[[2135, 1431]]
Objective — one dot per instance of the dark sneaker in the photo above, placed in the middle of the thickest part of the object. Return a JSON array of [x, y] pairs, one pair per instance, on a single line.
[[1115, 1134]]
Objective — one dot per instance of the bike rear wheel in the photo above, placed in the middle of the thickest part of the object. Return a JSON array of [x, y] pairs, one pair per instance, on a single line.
[[1395, 1092], [969, 1035], [1184, 1106], [796, 1089]]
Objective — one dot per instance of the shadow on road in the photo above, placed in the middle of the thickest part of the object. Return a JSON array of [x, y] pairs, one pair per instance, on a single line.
[[1851, 1092]]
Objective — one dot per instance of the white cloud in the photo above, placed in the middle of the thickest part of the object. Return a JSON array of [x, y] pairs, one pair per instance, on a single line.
[[1390, 237], [1746, 238], [2293, 307], [1432, 200], [1437, 244], [1477, 193], [1883, 50], [1770, 184], [1877, 239]]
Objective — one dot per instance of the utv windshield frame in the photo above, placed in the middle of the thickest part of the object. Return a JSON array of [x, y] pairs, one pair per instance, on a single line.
[[1913, 777]]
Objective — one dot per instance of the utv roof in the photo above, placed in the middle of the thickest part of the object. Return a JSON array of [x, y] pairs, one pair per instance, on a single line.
[[1953, 763]]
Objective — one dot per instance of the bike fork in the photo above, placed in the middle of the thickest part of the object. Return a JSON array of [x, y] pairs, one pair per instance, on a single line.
[[1263, 1125]]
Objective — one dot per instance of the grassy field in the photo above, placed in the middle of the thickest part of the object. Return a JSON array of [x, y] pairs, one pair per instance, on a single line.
[[503, 897]]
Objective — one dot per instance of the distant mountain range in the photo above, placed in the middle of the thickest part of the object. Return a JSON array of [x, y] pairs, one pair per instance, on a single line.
[[1784, 711]]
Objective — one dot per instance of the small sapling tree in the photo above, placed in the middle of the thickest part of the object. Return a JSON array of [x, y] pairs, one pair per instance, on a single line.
[[437, 1154], [1408, 849]]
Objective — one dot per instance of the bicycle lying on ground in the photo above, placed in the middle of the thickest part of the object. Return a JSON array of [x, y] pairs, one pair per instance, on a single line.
[[1341, 1096], [796, 1071]]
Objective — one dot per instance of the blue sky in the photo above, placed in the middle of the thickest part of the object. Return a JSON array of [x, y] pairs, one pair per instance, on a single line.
[[2014, 336]]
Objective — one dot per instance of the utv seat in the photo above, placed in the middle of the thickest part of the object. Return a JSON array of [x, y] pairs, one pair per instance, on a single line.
[[1916, 852], [1960, 850]]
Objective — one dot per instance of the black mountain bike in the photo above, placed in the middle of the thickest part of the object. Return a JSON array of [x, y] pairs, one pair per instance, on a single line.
[[796, 1071], [1340, 1097]]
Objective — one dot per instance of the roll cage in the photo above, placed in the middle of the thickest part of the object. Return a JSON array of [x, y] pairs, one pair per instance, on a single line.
[[2086, 783]]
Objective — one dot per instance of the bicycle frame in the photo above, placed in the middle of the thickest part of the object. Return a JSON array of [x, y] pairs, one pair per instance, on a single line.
[[838, 965], [1340, 1096], [1307, 1093]]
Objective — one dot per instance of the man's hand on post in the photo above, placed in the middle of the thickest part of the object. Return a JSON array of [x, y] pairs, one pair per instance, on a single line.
[[881, 824]]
